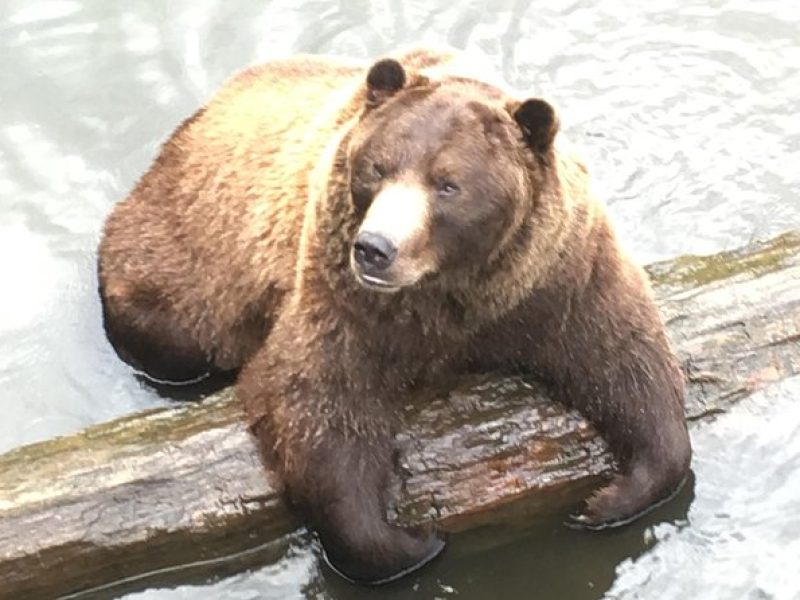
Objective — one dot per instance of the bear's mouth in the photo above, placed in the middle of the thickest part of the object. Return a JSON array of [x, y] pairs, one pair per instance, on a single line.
[[376, 283]]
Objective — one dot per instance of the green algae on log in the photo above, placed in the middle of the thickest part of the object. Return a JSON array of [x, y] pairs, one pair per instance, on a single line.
[[182, 485], [691, 270]]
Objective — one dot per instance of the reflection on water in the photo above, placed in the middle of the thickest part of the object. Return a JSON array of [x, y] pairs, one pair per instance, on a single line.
[[686, 112], [744, 538]]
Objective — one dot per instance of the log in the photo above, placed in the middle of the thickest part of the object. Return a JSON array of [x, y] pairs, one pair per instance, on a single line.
[[137, 497]]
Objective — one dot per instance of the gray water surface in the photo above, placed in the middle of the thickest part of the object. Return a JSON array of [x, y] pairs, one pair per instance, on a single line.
[[686, 112]]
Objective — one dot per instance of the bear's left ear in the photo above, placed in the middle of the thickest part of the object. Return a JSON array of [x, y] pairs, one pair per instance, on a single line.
[[538, 121], [384, 79]]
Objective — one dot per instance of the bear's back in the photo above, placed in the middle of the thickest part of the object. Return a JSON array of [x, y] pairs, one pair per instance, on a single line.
[[211, 230], [252, 149], [229, 187]]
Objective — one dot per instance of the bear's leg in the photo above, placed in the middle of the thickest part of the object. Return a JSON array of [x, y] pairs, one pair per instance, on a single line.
[[634, 398], [603, 350], [328, 432], [643, 484], [147, 334], [347, 507], [340, 486]]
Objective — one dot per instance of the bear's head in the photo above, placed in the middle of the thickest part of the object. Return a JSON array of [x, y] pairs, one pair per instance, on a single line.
[[443, 174]]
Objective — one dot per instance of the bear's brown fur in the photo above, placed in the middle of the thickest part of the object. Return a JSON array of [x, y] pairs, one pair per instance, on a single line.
[[342, 240]]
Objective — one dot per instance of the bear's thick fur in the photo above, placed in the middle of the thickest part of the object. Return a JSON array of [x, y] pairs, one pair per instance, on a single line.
[[341, 235]]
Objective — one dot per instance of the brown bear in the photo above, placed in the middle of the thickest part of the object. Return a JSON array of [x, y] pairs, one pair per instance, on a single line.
[[341, 235]]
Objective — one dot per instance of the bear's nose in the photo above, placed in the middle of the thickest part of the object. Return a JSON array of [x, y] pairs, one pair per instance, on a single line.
[[373, 252]]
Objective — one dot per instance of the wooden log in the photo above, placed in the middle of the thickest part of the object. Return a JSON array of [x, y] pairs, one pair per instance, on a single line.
[[175, 486]]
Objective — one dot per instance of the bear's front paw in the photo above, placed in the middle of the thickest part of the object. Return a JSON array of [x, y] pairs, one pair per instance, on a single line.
[[622, 501], [607, 507], [379, 554]]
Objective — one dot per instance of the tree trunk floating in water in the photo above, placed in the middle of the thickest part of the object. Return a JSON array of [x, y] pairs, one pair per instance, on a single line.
[[180, 485]]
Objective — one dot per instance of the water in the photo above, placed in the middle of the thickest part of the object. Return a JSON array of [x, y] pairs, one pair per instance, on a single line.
[[685, 111]]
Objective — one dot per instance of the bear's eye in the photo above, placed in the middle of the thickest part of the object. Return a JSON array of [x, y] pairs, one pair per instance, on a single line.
[[447, 188], [379, 169]]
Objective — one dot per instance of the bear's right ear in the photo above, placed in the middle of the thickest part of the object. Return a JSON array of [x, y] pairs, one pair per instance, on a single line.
[[384, 79]]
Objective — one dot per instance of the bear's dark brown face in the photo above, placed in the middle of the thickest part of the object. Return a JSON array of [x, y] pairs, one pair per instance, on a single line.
[[439, 176]]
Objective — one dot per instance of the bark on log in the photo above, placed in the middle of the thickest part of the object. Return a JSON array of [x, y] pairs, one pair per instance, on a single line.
[[185, 484]]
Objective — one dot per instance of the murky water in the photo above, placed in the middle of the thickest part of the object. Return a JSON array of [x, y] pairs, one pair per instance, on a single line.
[[687, 113]]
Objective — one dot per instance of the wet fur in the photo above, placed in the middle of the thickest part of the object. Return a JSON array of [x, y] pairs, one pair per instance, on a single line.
[[228, 255]]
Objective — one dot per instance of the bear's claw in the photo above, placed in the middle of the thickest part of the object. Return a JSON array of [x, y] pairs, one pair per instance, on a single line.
[[607, 508]]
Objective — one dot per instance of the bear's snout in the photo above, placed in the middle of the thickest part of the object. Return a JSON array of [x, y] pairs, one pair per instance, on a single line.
[[373, 252]]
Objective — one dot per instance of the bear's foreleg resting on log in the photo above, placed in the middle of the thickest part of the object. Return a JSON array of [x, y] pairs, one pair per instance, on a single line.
[[605, 352], [335, 455]]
